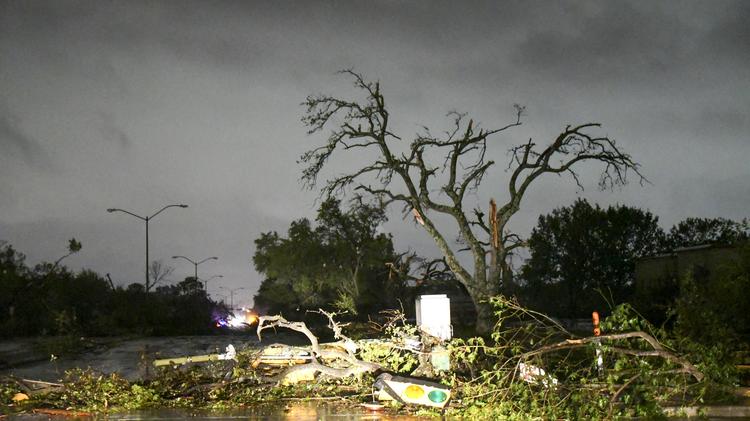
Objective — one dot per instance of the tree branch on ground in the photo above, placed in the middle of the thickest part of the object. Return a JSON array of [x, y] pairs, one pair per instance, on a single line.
[[355, 367], [658, 349]]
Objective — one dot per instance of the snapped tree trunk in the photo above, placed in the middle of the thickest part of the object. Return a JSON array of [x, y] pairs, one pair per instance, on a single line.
[[485, 315], [434, 173]]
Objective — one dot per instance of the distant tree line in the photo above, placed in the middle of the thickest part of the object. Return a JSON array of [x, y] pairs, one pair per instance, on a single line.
[[583, 257], [49, 299]]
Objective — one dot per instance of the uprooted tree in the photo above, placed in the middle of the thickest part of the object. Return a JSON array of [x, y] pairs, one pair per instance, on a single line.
[[432, 175]]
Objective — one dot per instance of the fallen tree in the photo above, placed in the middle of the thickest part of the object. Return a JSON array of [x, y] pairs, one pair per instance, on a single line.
[[529, 367], [342, 351], [532, 365]]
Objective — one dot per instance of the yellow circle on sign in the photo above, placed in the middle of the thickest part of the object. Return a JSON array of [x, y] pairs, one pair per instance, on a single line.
[[414, 392]]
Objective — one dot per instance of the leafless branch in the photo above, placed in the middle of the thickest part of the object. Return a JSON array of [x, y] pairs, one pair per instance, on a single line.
[[356, 366], [657, 351], [265, 322], [433, 173]]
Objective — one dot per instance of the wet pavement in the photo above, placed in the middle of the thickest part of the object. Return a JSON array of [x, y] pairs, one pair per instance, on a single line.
[[128, 357], [298, 411]]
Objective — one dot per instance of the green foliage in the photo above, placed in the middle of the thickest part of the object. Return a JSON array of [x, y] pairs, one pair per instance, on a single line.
[[580, 251], [712, 317], [717, 308], [178, 384], [486, 376], [487, 372], [711, 356], [7, 390], [88, 390], [345, 303], [625, 318], [74, 246], [392, 359], [339, 262], [394, 354], [659, 292]]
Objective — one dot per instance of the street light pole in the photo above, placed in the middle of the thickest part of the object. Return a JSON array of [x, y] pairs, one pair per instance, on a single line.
[[231, 295], [205, 281], [195, 264], [146, 219]]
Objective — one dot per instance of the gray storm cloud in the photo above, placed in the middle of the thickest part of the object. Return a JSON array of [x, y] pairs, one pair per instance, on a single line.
[[142, 103]]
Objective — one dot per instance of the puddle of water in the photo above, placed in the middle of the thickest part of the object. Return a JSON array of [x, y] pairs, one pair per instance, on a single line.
[[298, 411]]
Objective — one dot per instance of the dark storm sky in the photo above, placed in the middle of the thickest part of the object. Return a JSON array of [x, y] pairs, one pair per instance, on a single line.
[[139, 104]]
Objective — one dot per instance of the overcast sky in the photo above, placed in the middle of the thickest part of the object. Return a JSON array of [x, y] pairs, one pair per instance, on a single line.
[[136, 105]]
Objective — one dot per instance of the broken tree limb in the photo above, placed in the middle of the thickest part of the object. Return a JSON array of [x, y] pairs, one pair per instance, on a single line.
[[658, 349], [309, 370], [264, 322], [336, 327], [574, 343], [616, 396], [686, 365], [34, 387], [364, 366]]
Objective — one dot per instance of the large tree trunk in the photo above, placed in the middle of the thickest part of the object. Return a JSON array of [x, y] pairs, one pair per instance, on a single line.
[[485, 316], [480, 295], [461, 167], [499, 280]]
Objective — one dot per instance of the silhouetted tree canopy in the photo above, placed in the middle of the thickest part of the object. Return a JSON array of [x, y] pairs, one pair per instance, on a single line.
[[51, 300], [583, 256], [341, 261], [699, 231]]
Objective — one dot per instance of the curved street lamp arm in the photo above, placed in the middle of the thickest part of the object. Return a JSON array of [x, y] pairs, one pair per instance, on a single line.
[[110, 210], [208, 258], [166, 207], [186, 258]]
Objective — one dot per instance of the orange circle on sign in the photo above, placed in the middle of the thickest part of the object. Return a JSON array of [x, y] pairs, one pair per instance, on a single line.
[[414, 392]]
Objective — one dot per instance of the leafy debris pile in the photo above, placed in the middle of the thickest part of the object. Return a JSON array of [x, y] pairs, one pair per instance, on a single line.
[[529, 367]]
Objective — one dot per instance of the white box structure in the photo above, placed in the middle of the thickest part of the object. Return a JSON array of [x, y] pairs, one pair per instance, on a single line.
[[434, 315]]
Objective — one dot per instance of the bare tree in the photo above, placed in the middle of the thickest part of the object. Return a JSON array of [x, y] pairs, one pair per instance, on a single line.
[[432, 174], [158, 273]]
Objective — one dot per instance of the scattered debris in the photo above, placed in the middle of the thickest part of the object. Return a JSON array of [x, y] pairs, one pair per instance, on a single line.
[[282, 355], [434, 315], [598, 332], [229, 354], [440, 358], [535, 375], [411, 391], [61, 412], [373, 406], [336, 371], [18, 397], [656, 351], [333, 361]]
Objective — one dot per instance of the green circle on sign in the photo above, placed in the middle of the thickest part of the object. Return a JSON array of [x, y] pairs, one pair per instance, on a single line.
[[437, 396]]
